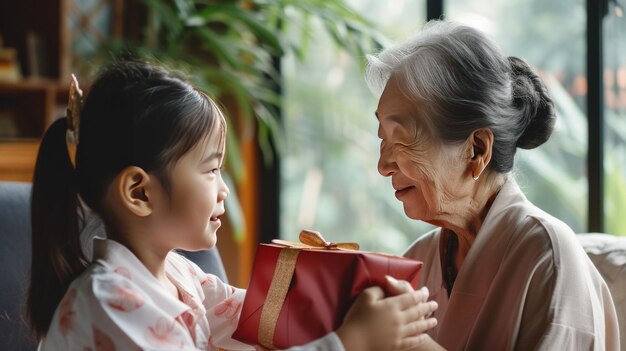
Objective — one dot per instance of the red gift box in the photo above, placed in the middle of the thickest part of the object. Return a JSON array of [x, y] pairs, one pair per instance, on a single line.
[[300, 293]]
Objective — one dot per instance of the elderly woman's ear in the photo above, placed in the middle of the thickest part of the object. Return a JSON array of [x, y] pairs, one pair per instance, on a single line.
[[481, 144]]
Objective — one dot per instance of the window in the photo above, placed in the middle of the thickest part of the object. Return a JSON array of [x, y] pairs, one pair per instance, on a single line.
[[552, 176], [329, 178], [615, 118]]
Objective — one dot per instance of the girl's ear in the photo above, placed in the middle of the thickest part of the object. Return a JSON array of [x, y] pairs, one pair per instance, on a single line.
[[481, 145], [134, 189]]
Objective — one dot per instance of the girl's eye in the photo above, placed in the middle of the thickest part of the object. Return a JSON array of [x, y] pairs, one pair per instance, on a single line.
[[215, 170]]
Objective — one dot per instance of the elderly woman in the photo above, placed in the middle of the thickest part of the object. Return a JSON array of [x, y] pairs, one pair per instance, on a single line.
[[506, 275]]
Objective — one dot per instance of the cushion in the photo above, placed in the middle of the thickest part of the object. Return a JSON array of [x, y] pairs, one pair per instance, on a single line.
[[14, 264], [608, 254]]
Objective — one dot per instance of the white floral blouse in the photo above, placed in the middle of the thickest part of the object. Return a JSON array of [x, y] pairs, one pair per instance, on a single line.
[[117, 304]]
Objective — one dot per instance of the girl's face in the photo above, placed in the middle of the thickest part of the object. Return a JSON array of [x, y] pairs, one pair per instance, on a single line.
[[191, 216], [425, 172]]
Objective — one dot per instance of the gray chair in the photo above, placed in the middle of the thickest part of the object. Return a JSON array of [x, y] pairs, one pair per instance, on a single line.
[[15, 249]]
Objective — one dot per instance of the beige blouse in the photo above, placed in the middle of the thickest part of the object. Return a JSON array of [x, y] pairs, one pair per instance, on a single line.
[[525, 284]]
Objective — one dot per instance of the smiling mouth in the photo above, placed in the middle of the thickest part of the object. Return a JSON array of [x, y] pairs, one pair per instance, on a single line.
[[403, 191]]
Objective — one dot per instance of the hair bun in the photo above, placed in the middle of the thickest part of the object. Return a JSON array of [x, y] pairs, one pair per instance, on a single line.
[[530, 97]]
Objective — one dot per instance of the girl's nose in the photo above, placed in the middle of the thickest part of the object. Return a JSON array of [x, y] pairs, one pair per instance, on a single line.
[[223, 192], [222, 195]]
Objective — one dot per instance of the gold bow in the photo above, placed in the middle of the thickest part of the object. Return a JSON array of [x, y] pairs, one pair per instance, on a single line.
[[281, 279], [310, 239]]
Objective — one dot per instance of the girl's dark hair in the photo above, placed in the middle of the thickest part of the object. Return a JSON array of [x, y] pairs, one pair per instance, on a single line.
[[136, 114]]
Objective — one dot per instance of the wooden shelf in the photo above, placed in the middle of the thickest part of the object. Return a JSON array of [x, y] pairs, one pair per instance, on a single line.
[[28, 85], [17, 159], [30, 104]]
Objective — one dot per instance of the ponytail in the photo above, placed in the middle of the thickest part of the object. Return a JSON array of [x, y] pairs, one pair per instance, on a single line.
[[57, 257], [136, 114]]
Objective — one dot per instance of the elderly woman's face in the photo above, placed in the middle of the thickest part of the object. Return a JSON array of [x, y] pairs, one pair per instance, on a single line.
[[426, 173]]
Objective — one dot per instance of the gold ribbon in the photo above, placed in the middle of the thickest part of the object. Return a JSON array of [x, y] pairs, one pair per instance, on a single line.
[[310, 239], [281, 280], [276, 294]]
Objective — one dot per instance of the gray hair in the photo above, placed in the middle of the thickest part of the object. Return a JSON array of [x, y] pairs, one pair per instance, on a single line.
[[464, 83]]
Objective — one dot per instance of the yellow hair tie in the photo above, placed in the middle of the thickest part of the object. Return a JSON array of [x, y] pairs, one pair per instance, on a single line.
[[74, 109]]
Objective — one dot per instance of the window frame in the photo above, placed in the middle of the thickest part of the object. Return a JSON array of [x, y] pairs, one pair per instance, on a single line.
[[269, 205]]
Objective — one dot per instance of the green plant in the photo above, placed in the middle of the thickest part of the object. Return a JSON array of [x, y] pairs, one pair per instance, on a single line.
[[231, 50]]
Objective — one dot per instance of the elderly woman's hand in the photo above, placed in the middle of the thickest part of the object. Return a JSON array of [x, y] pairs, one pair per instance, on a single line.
[[376, 322], [396, 287]]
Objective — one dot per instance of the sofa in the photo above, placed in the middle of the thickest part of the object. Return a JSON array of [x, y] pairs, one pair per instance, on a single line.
[[15, 248], [607, 252]]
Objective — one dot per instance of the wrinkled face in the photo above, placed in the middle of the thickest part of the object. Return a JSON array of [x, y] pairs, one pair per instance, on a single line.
[[191, 216], [424, 171]]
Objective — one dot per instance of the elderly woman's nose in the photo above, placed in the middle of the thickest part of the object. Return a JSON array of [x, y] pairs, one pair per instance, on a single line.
[[386, 165]]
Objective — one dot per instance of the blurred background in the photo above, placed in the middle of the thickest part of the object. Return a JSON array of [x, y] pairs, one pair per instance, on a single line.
[[302, 148]]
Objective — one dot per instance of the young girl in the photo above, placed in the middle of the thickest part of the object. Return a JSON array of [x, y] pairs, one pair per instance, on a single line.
[[148, 158]]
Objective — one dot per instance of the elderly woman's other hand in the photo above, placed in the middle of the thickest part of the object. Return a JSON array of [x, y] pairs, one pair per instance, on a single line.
[[395, 287], [376, 322]]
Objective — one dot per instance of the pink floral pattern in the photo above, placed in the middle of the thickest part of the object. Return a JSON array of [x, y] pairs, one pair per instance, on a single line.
[[188, 320], [67, 313], [116, 312], [229, 309], [164, 334], [208, 281], [188, 299], [125, 299], [102, 342], [123, 272]]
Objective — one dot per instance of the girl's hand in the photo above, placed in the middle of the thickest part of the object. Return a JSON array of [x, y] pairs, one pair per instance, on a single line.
[[393, 323], [396, 287]]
